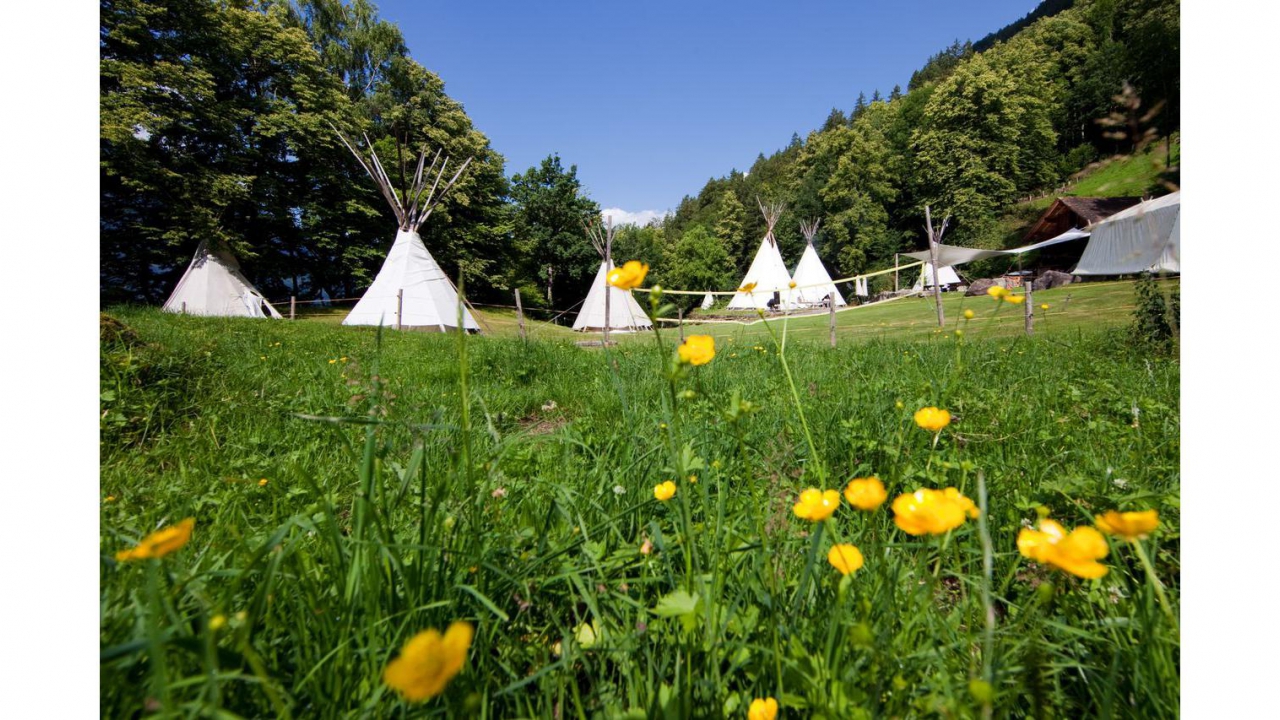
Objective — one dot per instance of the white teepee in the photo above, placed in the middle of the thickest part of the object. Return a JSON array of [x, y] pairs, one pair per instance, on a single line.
[[813, 283], [625, 314], [411, 291], [767, 272], [622, 311], [213, 285], [946, 274], [708, 301]]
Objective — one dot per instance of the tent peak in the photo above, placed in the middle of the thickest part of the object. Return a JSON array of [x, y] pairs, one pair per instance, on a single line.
[[424, 192]]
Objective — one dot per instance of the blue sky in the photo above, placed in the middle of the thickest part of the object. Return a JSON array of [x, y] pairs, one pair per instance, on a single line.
[[651, 99]]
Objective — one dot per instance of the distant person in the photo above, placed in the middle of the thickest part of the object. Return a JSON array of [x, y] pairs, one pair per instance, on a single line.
[[773, 303]]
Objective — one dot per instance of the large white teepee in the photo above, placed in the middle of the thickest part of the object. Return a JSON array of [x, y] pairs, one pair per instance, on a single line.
[[625, 314], [411, 291], [213, 285], [813, 283], [622, 311], [767, 271]]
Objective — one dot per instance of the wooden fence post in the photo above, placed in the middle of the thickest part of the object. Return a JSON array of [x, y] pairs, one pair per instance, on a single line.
[[895, 273], [184, 307], [293, 306], [399, 308], [1028, 314], [832, 305], [680, 316], [520, 314]]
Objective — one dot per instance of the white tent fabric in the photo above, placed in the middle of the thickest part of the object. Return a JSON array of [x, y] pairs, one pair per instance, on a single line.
[[955, 255], [707, 301], [214, 286], [770, 275], [1143, 238], [860, 287], [1072, 234], [430, 299], [625, 314], [810, 272], [946, 274]]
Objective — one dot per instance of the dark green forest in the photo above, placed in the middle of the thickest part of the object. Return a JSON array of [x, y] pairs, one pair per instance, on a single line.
[[216, 124]]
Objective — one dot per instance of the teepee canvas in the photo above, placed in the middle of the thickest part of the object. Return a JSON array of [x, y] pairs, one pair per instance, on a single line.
[[813, 283], [708, 301], [411, 291], [603, 301], [767, 272], [946, 274], [213, 285]]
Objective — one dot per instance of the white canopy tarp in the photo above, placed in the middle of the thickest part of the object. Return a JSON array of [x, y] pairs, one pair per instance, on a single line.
[[954, 255], [1143, 238], [813, 281], [625, 314], [430, 300], [1072, 234], [770, 275], [214, 286]]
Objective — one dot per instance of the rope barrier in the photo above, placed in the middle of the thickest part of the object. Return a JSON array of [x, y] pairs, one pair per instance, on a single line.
[[755, 291]]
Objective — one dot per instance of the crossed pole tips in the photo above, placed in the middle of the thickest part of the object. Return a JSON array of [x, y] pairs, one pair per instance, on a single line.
[[419, 199]]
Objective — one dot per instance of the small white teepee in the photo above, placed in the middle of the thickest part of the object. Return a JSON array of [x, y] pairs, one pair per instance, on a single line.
[[810, 272], [946, 274], [411, 291], [623, 312], [708, 301], [767, 271], [214, 286]]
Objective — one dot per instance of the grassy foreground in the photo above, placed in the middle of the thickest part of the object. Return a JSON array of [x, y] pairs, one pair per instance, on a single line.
[[345, 498]]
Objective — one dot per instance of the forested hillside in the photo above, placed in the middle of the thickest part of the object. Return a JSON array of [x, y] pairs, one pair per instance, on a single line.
[[975, 131], [216, 125]]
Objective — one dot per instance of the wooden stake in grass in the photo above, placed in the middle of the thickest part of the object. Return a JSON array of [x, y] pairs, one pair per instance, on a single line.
[[293, 306], [935, 238], [520, 314], [1028, 312], [831, 305], [399, 308]]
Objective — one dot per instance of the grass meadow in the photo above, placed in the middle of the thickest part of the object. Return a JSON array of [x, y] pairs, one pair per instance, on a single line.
[[351, 488]]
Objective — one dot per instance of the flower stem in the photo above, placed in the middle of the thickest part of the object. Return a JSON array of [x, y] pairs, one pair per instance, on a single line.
[[1155, 583]]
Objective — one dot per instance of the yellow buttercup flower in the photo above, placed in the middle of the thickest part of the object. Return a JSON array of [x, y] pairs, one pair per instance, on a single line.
[[845, 557], [429, 661], [1015, 299], [1128, 525], [968, 314], [763, 709], [217, 622], [932, 419], [1044, 306], [997, 292], [965, 503], [697, 350], [747, 288], [792, 284], [262, 482], [865, 493], [931, 512], [816, 505], [1077, 552], [664, 491], [161, 542], [629, 276]]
